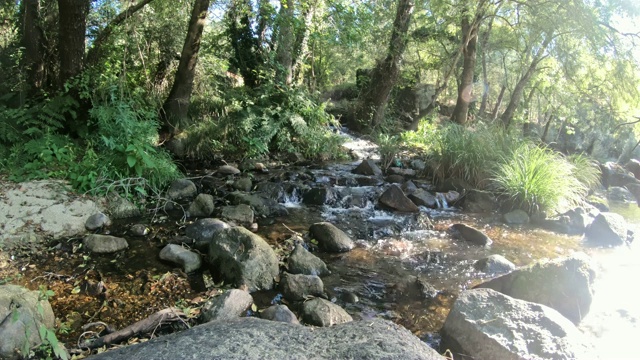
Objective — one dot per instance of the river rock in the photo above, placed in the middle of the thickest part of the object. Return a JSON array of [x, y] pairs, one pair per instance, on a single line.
[[564, 284], [470, 234], [280, 313], [320, 312], [395, 179], [97, 221], [204, 230], [22, 313], [104, 244], [478, 201], [121, 208], [189, 260], [487, 325], [634, 189], [182, 189], [368, 167], [395, 199], [260, 205], [418, 165], [401, 171], [516, 217], [319, 196], [297, 287], [572, 222], [228, 170], [139, 229], [232, 304], [301, 261], [620, 194], [243, 258], [330, 238], [634, 167], [243, 184], [253, 338], [494, 265], [615, 175], [422, 197], [607, 229], [201, 206], [408, 187], [241, 214]]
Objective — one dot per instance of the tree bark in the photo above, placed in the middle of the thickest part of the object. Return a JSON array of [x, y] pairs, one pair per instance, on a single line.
[[374, 97], [176, 107], [94, 52], [72, 15], [34, 47], [465, 88], [507, 116], [494, 113], [301, 48], [484, 43], [286, 40]]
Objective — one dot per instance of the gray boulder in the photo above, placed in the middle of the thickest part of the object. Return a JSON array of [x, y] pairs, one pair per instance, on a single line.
[[104, 244], [607, 229], [572, 222], [201, 206], [203, 231], [620, 194], [478, 201], [368, 167], [296, 287], [409, 187], [240, 214], [243, 184], [280, 313], [494, 265], [394, 199], [228, 170], [97, 221], [232, 304], [319, 196], [302, 261], [564, 284], [253, 338], [516, 217], [260, 205], [488, 325], [418, 165], [401, 171], [22, 313], [189, 260], [243, 258], [330, 238], [422, 197], [320, 312], [470, 234], [182, 189], [121, 208]]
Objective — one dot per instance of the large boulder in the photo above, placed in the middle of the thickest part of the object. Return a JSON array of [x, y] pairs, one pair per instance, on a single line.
[[422, 197], [189, 260], [253, 338], [394, 199], [620, 194], [321, 312], [487, 325], [564, 284], [330, 238], [203, 231], [232, 304], [22, 313], [243, 258], [634, 167], [615, 175], [104, 244], [607, 229], [368, 167], [301, 261], [470, 234], [319, 196]]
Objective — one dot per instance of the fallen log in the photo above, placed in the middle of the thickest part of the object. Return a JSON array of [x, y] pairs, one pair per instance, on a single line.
[[145, 326]]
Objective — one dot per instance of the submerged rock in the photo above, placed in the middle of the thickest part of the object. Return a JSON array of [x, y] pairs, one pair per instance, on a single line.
[[232, 304], [189, 260], [104, 244], [330, 238], [478, 201], [321, 312], [607, 229], [564, 284], [243, 258], [228, 170], [487, 325], [253, 338], [301, 261], [470, 234], [280, 313], [393, 198], [494, 265]]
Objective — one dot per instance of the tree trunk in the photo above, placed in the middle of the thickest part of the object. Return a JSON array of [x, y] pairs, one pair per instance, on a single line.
[[465, 88], [484, 43], [247, 59], [373, 98], [34, 46], [494, 113], [72, 15], [176, 107], [301, 48], [286, 40], [507, 116], [543, 138]]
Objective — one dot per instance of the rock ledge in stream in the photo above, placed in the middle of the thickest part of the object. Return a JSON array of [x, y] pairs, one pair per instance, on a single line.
[[252, 338], [393, 198]]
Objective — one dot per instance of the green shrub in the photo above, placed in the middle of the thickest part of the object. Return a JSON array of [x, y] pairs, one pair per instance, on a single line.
[[586, 170], [538, 180]]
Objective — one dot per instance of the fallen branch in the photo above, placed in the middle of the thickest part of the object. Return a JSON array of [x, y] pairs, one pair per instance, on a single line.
[[148, 325]]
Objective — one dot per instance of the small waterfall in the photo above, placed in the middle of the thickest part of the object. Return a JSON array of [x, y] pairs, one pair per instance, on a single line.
[[292, 199], [441, 200]]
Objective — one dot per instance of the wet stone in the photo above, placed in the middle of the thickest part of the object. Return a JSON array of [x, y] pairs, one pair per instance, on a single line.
[[300, 287], [230, 305], [104, 244], [97, 221], [189, 260], [240, 214], [243, 184], [470, 234], [228, 170], [395, 199], [201, 206], [330, 238], [302, 261], [280, 313], [516, 217], [182, 189], [139, 230], [494, 265], [368, 167], [422, 197], [321, 312], [203, 231]]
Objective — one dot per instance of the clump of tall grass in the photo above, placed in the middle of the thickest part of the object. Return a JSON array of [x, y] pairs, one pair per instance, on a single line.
[[539, 180], [586, 170]]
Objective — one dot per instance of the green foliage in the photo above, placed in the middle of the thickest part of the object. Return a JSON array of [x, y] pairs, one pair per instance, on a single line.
[[538, 180], [389, 146], [585, 170]]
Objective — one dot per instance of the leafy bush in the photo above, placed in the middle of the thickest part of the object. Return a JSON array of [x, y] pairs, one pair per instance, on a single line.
[[538, 180]]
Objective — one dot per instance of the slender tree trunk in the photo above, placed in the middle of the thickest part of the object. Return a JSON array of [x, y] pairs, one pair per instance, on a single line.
[[247, 58], [374, 97], [286, 41], [301, 48], [465, 87], [176, 107], [507, 116], [543, 138], [484, 44], [72, 15], [34, 47], [494, 113]]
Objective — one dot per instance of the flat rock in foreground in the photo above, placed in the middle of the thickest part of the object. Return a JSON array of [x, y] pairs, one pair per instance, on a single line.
[[252, 338]]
